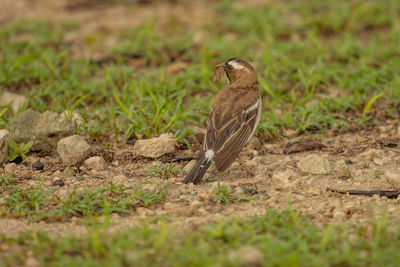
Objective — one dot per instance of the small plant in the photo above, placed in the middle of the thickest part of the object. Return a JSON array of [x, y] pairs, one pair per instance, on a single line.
[[222, 195], [27, 203], [368, 107], [70, 112], [147, 197], [164, 170], [19, 150], [6, 180], [37, 204]]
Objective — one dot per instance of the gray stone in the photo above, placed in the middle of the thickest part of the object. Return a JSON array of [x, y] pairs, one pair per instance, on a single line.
[[73, 150], [155, 147], [4, 138], [314, 164], [15, 101], [44, 129], [96, 163], [393, 177]]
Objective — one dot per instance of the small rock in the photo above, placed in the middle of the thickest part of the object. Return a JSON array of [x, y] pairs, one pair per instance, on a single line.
[[95, 163], [314, 164], [189, 166], [58, 182], [348, 161], [38, 165], [44, 129], [73, 150], [10, 168], [4, 138], [393, 177], [282, 177], [155, 147], [342, 171], [15, 101], [247, 256]]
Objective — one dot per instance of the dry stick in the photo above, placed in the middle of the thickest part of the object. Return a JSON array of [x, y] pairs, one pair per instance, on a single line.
[[176, 159], [386, 193]]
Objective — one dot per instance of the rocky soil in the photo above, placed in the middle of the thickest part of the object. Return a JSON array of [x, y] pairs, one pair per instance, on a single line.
[[369, 160]]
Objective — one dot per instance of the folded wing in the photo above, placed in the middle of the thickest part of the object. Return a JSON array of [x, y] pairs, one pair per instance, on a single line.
[[229, 129]]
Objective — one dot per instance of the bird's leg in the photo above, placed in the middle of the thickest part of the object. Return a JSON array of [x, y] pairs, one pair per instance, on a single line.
[[244, 165]]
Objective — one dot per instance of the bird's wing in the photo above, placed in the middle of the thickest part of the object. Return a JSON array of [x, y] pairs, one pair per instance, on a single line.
[[230, 126]]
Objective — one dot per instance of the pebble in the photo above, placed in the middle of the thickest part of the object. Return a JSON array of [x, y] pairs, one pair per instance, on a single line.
[[314, 164], [155, 147], [95, 163], [38, 165], [73, 150], [58, 182]]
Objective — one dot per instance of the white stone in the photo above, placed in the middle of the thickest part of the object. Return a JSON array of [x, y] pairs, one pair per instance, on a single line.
[[314, 164], [154, 147], [73, 150]]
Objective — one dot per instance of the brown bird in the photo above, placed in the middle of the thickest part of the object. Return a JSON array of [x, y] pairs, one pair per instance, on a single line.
[[233, 119]]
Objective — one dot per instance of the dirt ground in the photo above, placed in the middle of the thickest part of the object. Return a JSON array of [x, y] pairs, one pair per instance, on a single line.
[[357, 160]]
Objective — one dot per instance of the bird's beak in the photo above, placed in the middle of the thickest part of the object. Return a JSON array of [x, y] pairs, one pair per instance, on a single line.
[[218, 72]]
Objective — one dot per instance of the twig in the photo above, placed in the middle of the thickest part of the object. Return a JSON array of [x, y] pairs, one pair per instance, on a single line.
[[176, 159], [386, 193]]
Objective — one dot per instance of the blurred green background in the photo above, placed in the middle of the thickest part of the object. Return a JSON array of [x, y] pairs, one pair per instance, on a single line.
[[144, 67]]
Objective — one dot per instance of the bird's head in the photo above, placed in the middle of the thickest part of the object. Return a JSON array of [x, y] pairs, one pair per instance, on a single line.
[[236, 70]]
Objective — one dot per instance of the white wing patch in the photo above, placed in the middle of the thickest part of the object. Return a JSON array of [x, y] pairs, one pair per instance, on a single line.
[[253, 107], [209, 154], [235, 65]]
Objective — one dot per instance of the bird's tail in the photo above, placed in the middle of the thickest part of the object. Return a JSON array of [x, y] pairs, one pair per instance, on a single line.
[[198, 171]]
